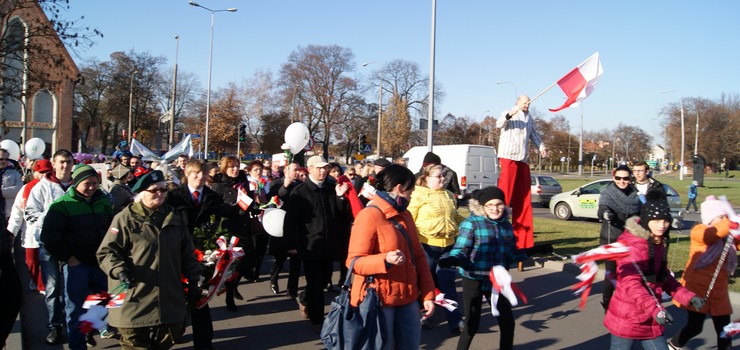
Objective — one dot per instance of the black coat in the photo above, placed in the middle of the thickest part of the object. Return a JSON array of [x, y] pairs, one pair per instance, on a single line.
[[235, 220], [316, 222], [210, 205]]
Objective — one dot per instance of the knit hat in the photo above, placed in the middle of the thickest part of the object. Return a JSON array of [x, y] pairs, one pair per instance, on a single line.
[[655, 208], [487, 194], [147, 180], [431, 158], [120, 171], [711, 208], [82, 172], [382, 162], [43, 166]]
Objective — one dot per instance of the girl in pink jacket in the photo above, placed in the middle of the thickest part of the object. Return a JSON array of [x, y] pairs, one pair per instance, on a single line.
[[635, 312]]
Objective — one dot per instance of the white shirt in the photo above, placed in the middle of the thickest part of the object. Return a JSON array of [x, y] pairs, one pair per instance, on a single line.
[[513, 143]]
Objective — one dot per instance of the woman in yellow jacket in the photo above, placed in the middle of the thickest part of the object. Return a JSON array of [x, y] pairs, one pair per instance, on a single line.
[[434, 210]]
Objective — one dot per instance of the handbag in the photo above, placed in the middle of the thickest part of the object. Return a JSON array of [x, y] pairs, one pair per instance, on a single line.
[[349, 327]]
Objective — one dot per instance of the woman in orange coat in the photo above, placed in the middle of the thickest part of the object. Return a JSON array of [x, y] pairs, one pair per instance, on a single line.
[[708, 241], [395, 258]]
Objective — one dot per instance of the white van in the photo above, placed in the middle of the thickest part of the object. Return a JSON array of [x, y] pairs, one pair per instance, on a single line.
[[476, 166]]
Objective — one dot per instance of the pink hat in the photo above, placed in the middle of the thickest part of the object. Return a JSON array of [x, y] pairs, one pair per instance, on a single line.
[[712, 208]]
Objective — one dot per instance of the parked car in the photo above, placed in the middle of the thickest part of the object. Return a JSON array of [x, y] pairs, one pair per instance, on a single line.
[[543, 188], [583, 202]]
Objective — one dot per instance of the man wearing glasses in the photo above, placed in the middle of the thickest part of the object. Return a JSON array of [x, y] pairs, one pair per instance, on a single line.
[[11, 182], [73, 228]]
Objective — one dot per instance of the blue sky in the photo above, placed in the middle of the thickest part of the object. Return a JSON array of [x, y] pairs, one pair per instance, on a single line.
[[646, 46]]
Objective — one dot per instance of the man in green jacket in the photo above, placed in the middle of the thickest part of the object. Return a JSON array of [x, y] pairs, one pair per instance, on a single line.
[[73, 228]]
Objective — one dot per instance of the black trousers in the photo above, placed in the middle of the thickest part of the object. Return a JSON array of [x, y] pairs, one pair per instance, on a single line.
[[10, 294], [608, 288], [313, 296], [473, 303], [294, 272], [694, 326], [202, 328]]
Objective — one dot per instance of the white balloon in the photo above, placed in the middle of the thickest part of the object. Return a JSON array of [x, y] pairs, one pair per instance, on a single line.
[[34, 148], [273, 220], [296, 136], [12, 148]]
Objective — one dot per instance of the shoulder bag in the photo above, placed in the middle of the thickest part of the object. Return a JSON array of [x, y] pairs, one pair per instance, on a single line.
[[348, 327]]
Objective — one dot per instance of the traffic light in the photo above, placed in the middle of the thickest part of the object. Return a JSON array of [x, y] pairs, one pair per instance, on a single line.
[[242, 132]]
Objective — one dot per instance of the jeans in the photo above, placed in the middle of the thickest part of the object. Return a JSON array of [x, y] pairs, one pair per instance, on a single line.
[[691, 201], [404, 320], [54, 288], [80, 281], [444, 279], [619, 343]]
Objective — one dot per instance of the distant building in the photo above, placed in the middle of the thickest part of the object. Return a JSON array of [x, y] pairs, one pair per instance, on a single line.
[[658, 153], [33, 104]]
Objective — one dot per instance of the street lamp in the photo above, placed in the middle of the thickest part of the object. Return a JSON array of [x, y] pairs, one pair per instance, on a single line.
[[131, 104], [380, 110], [614, 148], [696, 139], [510, 83], [681, 164], [171, 138], [210, 67]]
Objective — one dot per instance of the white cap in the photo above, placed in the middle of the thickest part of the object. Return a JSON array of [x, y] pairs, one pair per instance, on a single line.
[[316, 161]]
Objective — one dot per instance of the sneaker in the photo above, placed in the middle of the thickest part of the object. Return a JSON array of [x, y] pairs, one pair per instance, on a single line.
[[55, 336], [302, 309], [673, 347], [274, 289], [42, 292], [108, 333], [90, 340]]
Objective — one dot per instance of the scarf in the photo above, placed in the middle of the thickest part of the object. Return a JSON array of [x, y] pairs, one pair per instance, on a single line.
[[399, 203], [713, 253], [625, 203]]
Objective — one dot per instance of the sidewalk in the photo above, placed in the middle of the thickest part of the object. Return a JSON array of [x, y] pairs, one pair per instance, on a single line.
[[550, 320]]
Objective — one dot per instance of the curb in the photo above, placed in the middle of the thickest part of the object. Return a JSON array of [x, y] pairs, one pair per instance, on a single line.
[[573, 269]]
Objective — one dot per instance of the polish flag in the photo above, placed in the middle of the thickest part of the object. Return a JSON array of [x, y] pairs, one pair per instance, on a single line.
[[580, 82]]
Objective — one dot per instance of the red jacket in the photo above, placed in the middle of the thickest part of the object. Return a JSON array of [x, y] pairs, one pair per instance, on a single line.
[[373, 235], [632, 308]]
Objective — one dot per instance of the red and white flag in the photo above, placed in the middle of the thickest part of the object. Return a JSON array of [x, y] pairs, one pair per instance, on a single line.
[[580, 82]]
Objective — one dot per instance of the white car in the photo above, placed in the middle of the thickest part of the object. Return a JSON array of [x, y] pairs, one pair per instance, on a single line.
[[583, 202]]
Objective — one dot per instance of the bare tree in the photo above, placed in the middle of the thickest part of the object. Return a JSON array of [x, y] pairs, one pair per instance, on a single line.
[[319, 73]]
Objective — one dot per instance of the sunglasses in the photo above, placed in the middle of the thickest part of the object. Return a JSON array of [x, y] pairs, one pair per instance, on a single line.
[[157, 190], [625, 178]]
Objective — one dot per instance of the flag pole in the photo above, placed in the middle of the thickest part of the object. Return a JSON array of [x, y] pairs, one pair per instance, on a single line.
[[543, 92]]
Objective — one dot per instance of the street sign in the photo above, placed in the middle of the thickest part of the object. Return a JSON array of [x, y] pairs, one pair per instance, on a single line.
[[366, 148], [359, 156], [195, 136]]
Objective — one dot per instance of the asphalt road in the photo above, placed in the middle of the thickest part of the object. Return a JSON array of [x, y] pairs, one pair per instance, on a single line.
[[550, 320]]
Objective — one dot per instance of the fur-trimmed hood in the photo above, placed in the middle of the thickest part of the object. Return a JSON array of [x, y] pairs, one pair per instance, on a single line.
[[633, 226]]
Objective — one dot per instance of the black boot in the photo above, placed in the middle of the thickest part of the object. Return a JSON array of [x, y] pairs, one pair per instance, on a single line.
[[230, 304]]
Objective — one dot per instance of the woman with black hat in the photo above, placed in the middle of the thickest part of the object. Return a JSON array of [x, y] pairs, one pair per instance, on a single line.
[[636, 312], [486, 239]]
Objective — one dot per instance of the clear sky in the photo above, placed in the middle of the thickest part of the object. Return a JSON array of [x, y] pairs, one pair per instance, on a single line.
[[646, 46]]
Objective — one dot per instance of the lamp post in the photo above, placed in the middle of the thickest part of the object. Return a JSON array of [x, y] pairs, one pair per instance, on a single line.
[[171, 139], [210, 68], [380, 111], [130, 105], [696, 139], [614, 148], [681, 165], [510, 83], [430, 112]]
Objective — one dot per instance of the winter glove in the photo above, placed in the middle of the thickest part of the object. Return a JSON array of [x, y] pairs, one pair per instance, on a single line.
[[539, 249], [697, 303], [448, 262], [125, 278], [608, 215], [663, 317]]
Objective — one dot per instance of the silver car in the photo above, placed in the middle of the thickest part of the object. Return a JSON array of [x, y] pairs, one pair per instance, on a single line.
[[543, 188], [583, 202]]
